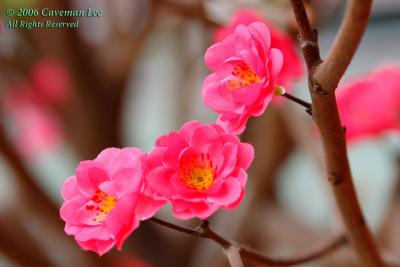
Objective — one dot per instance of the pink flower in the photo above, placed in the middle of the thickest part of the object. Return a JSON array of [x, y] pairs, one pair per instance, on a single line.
[[29, 114], [51, 79], [371, 105], [242, 83], [199, 169], [103, 202], [292, 68]]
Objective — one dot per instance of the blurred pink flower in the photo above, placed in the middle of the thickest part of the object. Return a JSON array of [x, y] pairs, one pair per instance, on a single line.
[[51, 79], [36, 129], [244, 70], [371, 105], [199, 169], [292, 68], [101, 201]]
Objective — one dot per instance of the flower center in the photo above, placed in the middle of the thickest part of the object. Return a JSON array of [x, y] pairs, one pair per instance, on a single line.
[[102, 203], [246, 76], [198, 174]]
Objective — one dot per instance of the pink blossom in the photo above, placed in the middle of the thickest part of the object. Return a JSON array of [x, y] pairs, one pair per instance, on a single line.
[[371, 105], [103, 202], [244, 69], [292, 68], [199, 169], [35, 128], [51, 79]]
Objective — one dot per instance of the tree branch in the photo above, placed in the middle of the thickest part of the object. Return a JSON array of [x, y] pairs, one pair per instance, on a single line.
[[326, 116], [331, 70], [204, 231]]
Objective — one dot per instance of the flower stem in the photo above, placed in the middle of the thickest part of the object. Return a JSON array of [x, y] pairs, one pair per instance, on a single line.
[[299, 101], [204, 231]]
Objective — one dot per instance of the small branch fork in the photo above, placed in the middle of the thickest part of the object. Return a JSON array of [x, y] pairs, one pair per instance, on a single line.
[[204, 231], [323, 79]]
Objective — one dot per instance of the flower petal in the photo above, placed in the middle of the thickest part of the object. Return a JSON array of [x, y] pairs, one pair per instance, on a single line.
[[219, 52], [230, 151], [97, 232], [175, 146], [203, 210], [99, 246], [261, 35], [229, 192], [128, 181], [89, 175], [127, 158], [245, 155], [276, 61], [205, 139], [159, 180], [70, 188], [147, 206], [69, 209]]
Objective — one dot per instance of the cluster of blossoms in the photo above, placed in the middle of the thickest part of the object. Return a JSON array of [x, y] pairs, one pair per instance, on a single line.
[[29, 103], [198, 169]]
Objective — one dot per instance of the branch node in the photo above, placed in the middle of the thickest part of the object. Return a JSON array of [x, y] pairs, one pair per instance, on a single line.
[[205, 224], [315, 32], [202, 228], [316, 88], [334, 179]]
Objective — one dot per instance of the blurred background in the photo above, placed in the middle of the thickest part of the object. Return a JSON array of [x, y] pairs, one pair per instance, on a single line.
[[135, 73]]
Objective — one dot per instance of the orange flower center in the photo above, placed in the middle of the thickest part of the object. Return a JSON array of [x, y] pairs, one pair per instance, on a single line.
[[245, 75], [102, 204], [198, 174]]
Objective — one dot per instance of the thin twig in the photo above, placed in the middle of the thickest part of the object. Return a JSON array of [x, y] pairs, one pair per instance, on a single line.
[[299, 101], [204, 231], [326, 116]]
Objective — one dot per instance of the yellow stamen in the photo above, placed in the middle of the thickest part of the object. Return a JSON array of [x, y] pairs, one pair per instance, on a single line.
[[198, 174], [103, 204], [245, 75]]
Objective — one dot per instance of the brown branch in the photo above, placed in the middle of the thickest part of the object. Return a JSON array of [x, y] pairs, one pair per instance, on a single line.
[[326, 116], [18, 245], [329, 72], [204, 231]]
